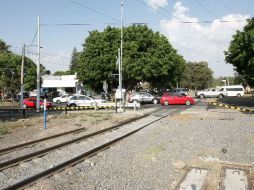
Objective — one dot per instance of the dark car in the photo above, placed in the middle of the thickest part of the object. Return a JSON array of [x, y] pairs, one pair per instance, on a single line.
[[181, 91]]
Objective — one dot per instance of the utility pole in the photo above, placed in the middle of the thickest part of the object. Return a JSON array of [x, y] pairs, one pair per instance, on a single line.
[[38, 69], [121, 58], [22, 77]]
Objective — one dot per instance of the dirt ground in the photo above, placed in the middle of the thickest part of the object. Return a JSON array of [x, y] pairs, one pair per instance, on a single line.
[[24, 130]]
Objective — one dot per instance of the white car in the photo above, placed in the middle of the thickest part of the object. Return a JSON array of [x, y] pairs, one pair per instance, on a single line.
[[234, 90], [82, 100], [210, 93], [61, 99]]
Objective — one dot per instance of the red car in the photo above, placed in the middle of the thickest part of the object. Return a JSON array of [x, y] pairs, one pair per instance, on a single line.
[[176, 99], [31, 103]]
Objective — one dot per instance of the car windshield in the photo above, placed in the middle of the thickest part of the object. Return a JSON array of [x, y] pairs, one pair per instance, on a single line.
[[73, 98]]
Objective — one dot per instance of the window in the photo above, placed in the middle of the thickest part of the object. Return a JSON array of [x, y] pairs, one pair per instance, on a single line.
[[83, 98], [74, 98], [234, 89], [221, 90]]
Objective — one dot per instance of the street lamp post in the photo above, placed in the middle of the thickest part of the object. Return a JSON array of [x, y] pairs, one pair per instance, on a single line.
[[22, 77], [38, 69], [121, 58]]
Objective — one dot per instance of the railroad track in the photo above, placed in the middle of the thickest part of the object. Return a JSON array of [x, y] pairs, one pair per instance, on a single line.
[[25, 170]]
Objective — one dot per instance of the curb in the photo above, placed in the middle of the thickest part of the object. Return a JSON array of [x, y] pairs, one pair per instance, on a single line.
[[59, 108], [230, 107]]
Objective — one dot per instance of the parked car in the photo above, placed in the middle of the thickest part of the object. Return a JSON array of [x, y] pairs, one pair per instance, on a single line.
[[180, 91], [143, 97], [61, 99], [82, 100], [210, 93], [31, 103], [176, 99], [25, 95]]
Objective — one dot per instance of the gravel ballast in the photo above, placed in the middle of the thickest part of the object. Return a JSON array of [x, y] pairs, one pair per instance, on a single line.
[[154, 157]]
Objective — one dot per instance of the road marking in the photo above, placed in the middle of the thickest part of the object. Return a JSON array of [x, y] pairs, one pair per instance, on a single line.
[[194, 179]]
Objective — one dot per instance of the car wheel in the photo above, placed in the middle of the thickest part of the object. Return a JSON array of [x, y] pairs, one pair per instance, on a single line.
[[165, 103], [202, 96], [220, 96], [188, 102], [155, 101], [58, 101], [73, 105], [135, 101], [24, 106], [238, 95]]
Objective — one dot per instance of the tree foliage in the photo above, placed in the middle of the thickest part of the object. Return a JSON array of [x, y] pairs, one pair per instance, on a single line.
[[74, 61], [197, 76], [229, 80], [10, 71], [147, 56], [241, 52], [60, 73], [3, 46]]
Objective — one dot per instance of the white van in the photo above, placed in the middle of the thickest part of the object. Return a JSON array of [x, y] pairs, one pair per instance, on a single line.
[[234, 90]]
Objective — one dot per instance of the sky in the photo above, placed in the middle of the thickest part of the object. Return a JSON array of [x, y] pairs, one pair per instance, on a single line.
[[204, 39]]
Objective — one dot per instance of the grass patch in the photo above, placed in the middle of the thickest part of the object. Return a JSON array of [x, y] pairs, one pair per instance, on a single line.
[[4, 130], [153, 152], [95, 118], [251, 139], [11, 104]]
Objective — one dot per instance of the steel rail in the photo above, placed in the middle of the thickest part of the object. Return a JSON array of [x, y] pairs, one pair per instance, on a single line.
[[26, 144], [51, 171], [30, 156]]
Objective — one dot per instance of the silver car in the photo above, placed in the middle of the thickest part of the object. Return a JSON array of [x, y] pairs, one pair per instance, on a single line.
[[82, 100], [143, 97]]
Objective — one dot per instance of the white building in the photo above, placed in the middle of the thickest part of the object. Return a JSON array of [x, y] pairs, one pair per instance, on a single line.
[[63, 84]]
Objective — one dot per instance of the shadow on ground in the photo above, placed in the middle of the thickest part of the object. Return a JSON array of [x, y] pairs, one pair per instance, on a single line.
[[246, 101]]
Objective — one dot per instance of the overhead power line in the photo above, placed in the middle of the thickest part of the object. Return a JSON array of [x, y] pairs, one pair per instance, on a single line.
[[204, 34], [33, 38], [210, 12], [95, 11], [69, 24]]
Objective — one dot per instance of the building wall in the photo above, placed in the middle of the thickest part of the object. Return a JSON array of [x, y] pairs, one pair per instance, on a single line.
[[65, 81]]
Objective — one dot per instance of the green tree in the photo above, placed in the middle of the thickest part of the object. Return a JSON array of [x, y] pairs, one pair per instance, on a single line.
[[241, 52], [60, 73], [10, 70], [74, 61], [197, 76], [4, 46], [147, 56], [229, 80]]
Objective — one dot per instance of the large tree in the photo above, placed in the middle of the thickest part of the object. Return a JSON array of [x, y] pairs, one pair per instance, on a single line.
[[74, 61], [197, 76], [147, 56], [241, 52], [10, 70]]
